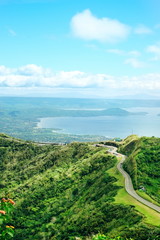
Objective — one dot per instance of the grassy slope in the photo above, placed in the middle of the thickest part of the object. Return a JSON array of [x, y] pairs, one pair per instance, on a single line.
[[150, 216], [64, 191]]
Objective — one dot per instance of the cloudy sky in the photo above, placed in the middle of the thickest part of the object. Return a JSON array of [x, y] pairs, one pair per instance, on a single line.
[[87, 48]]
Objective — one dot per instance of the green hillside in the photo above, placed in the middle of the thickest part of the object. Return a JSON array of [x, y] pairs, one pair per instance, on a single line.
[[143, 164], [64, 192]]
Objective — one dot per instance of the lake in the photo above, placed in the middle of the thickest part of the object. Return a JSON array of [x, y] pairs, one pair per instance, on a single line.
[[109, 126]]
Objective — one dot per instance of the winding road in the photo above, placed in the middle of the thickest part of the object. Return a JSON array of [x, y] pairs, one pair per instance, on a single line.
[[129, 187], [128, 182]]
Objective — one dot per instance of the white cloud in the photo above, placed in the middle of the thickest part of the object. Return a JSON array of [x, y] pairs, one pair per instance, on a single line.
[[5, 71], [36, 78], [154, 49], [142, 29], [32, 69], [86, 26], [135, 63], [133, 53], [33, 75]]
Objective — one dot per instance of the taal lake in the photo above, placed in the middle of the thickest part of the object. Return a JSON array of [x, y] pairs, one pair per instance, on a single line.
[[109, 126]]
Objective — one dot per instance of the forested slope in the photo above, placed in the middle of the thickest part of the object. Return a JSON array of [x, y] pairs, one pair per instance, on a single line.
[[143, 163], [63, 192]]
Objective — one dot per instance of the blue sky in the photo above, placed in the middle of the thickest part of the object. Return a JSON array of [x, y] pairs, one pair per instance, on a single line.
[[87, 48]]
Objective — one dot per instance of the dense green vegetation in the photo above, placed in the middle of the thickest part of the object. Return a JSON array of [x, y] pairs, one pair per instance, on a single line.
[[6, 209], [143, 163], [63, 192]]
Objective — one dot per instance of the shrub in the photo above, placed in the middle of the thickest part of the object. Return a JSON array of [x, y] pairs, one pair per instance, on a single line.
[[6, 208], [103, 237]]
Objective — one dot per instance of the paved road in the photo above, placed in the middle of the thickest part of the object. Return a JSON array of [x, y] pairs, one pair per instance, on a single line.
[[128, 182]]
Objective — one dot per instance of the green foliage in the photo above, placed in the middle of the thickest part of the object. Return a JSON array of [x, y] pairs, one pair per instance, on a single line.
[[143, 164], [104, 237], [129, 144], [6, 208], [62, 192], [131, 167], [143, 232]]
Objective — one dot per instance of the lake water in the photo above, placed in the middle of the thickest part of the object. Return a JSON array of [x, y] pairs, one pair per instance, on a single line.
[[109, 126]]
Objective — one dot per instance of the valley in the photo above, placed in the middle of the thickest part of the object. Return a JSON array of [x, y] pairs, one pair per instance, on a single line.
[[74, 190]]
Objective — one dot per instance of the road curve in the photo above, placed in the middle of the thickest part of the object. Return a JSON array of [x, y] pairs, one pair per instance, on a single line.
[[128, 182], [129, 187]]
